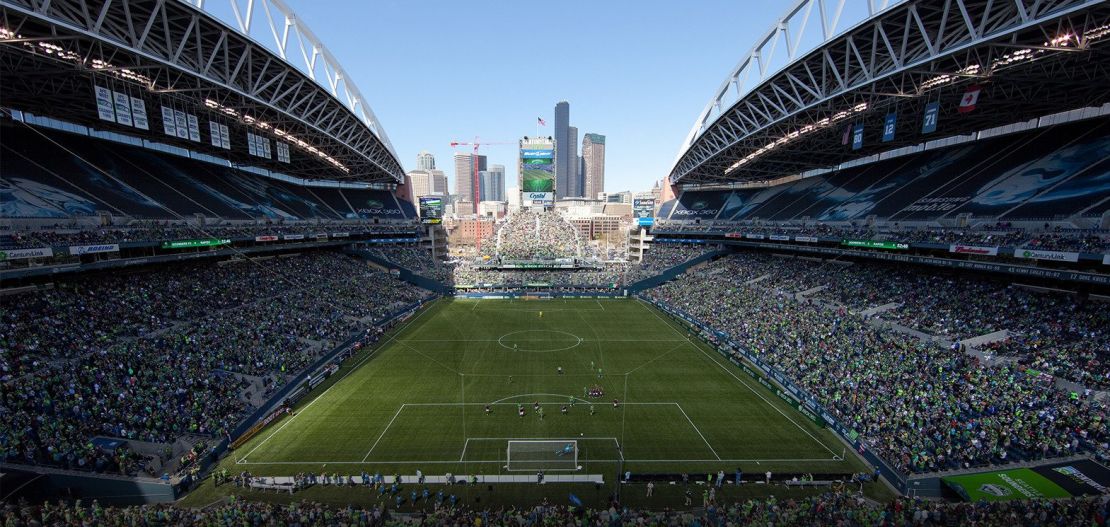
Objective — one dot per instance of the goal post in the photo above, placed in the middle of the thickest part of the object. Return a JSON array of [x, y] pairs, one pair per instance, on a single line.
[[550, 454]]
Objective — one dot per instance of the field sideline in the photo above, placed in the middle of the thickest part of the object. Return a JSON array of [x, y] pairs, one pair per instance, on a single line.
[[418, 402]]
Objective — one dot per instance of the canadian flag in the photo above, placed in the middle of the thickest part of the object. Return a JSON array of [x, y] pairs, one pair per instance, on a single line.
[[971, 96]]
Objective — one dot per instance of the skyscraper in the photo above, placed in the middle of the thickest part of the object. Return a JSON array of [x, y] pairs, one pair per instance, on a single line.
[[593, 159], [464, 175], [425, 161], [563, 157], [574, 176], [493, 183], [427, 183]]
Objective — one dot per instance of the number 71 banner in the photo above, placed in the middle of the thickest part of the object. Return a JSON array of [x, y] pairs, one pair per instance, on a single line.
[[932, 112]]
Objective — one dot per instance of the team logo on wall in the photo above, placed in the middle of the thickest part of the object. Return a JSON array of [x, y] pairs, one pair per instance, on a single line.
[[374, 204], [996, 490], [699, 205]]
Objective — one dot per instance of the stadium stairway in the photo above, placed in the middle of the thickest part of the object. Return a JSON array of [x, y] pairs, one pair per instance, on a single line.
[[669, 274]]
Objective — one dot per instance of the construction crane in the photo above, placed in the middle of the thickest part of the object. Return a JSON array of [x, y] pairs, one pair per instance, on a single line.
[[476, 184]]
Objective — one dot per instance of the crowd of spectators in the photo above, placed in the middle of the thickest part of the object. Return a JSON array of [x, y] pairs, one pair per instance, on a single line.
[[534, 235], [154, 231], [1000, 234], [153, 355], [832, 508], [921, 406]]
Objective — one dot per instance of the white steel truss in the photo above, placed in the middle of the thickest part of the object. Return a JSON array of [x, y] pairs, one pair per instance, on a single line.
[[181, 48], [892, 49]]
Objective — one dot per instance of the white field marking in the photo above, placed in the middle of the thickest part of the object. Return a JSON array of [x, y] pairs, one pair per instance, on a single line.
[[422, 354], [746, 385], [583, 340], [541, 404], [599, 304], [381, 435], [455, 462], [665, 353], [526, 350], [350, 371], [691, 421]]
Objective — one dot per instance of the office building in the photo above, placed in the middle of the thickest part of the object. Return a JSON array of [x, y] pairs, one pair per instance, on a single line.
[[492, 183], [425, 161], [464, 175], [563, 170], [593, 161]]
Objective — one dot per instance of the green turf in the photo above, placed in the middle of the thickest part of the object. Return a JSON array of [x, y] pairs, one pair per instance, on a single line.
[[417, 402]]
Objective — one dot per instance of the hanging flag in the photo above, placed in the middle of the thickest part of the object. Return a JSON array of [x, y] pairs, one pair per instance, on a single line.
[[857, 136], [929, 123], [847, 133], [888, 127], [541, 121], [971, 96]]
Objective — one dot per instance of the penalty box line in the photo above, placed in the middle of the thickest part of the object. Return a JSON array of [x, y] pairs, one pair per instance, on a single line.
[[500, 403], [462, 456], [354, 368], [729, 372]]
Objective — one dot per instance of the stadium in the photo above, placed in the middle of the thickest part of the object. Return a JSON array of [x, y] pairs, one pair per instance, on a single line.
[[875, 289]]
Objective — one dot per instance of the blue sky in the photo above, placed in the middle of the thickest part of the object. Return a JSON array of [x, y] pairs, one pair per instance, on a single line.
[[638, 72]]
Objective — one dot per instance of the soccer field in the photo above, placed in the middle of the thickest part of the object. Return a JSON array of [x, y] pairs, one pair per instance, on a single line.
[[418, 401]]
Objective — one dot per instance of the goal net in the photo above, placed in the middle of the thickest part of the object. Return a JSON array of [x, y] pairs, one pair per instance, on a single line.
[[555, 454]]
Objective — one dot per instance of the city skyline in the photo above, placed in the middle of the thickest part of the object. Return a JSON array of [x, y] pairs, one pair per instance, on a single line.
[[613, 77]]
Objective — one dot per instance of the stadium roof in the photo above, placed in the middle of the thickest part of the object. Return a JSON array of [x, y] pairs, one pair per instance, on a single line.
[[177, 54], [790, 104]]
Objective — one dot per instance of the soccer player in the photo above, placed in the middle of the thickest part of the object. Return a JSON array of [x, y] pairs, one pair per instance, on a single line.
[[599, 373], [616, 403], [541, 314], [564, 409], [488, 410], [540, 411], [559, 370], [567, 450], [591, 409]]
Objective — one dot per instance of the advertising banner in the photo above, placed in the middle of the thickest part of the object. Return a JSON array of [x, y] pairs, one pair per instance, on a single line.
[[973, 249], [874, 244], [189, 244], [22, 254], [779, 237], [528, 153], [539, 198], [266, 238], [751, 236], [293, 237], [1056, 256], [1059, 480], [76, 250], [805, 239], [1106, 259], [340, 234], [734, 235]]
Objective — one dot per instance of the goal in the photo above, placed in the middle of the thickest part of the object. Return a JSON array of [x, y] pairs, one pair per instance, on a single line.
[[552, 454]]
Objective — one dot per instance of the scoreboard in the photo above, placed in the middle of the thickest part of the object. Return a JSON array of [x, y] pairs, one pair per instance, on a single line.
[[431, 210]]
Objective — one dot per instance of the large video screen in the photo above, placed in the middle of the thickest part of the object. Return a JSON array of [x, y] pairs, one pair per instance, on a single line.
[[537, 170], [643, 209], [431, 210]]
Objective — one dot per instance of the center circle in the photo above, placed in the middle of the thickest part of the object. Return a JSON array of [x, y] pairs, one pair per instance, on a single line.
[[539, 340]]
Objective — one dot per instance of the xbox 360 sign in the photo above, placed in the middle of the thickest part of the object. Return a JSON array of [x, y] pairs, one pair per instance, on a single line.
[[375, 207], [697, 208]]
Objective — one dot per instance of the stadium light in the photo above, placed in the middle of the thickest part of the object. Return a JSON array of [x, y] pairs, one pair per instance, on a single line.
[[287, 136], [791, 136]]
